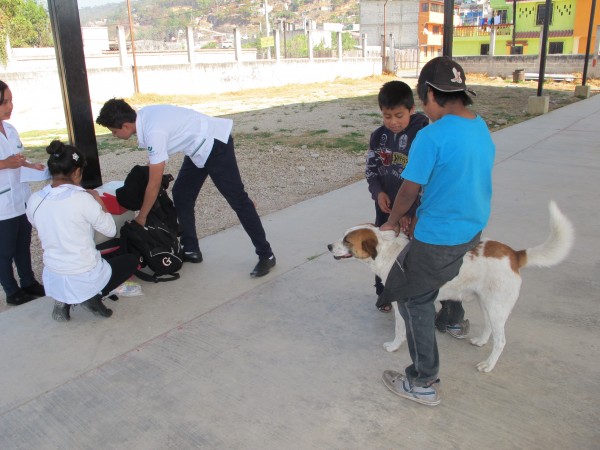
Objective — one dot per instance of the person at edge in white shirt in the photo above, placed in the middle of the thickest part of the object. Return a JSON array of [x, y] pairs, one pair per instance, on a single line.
[[65, 216], [15, 229], [209, 151]]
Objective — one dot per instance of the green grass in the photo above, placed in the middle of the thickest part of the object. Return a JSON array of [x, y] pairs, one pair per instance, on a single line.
[[353, 142]]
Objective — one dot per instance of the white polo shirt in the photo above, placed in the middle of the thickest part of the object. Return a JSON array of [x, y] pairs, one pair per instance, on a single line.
[[13, 193], [166, 129]]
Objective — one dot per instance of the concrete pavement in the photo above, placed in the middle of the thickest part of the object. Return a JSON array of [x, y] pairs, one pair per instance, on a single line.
[[293, 360]]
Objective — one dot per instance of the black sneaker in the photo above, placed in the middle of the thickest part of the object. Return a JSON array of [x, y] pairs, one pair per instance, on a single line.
[[96, 306], [61, 311], [263, 267], [193, 257], [35, 289], [19, 297]]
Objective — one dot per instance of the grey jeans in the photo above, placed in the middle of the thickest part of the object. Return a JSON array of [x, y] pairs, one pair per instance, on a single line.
[[414, 283]]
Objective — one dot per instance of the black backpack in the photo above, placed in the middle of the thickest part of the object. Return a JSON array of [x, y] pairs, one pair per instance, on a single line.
[[156, 247], [155, 244]]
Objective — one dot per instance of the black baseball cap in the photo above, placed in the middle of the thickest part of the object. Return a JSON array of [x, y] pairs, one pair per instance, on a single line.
[[444, 74]]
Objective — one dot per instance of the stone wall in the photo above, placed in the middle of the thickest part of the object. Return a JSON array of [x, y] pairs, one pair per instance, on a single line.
[[505, 65], [37, 92]]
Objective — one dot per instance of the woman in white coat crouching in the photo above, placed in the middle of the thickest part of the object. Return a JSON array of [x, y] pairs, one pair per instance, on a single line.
[[65, 216]]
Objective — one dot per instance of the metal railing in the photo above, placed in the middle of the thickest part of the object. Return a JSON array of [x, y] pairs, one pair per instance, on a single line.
[[504, 29]]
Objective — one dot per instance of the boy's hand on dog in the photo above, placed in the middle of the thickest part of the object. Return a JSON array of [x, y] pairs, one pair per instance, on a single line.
[[390, 226], [406, 225]]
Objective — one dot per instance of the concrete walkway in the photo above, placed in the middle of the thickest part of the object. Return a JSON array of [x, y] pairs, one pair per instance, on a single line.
[[293, 361]]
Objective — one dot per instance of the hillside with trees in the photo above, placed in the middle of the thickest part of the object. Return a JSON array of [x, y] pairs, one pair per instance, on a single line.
[[165, 19], [26, 22]]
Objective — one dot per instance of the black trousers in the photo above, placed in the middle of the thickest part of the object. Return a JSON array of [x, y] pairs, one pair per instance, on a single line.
[[123, 266], [223, 170]]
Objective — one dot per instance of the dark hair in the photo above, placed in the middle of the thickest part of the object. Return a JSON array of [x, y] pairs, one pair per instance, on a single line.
[[64, 158], [3, 87], [441, 98], [115, 113], [395, 93]]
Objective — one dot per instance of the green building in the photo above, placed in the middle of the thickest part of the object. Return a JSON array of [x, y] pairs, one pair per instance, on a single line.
[[494, 34]]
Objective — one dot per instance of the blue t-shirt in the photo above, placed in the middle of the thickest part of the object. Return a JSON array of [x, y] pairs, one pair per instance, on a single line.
[[452, 159]]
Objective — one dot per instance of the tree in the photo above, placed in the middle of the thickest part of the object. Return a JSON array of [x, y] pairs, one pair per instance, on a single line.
[[26, 23]]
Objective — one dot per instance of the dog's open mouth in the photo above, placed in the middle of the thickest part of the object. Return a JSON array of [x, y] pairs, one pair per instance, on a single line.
[[347, 255]]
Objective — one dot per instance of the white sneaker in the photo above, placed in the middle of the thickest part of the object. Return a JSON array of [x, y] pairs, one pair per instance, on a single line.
[[399, 385], [459, 330]]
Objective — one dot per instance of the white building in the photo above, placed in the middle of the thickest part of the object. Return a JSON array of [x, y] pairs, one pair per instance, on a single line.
[[401, 21], [95, 40]]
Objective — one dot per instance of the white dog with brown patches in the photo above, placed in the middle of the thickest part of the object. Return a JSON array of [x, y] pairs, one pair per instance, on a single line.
[[489, 273]]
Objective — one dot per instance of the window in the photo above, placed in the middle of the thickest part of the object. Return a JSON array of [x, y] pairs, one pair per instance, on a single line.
[[502, 14], [556, 48], [436, 29], [541, 13], [485, 49], [436, 7], [425, 7], [516, 50]]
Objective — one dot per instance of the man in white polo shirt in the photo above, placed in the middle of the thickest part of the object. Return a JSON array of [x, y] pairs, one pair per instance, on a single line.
[[208, 147]]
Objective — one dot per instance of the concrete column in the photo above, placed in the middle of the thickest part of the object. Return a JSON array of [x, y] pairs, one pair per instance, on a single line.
[[340, 49], [72, 74], [237, 44], [392, 55], [277, 45], [191, 46], [364, 45], [583, 91], [596, 49], [9, 52], [492, 42], [122, 43], [575, 49], [538, 105], [309, 36]]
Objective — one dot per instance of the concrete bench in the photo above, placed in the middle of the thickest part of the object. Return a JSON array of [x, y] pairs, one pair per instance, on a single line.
[[550, 76]]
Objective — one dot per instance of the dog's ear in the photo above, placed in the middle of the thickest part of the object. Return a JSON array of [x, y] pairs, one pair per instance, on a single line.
[[369, 245]]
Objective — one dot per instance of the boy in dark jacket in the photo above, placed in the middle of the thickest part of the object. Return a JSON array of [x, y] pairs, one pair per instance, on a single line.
[[388, 154]]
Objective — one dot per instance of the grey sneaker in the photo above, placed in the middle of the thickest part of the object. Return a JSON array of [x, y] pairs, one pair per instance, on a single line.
[[459, 330], [399, 385], [61, 311]]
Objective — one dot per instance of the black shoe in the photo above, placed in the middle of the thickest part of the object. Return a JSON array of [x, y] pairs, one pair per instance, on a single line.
[[96, 306], [442, 317], [35, 289], [61, 312], [263, 267], [193, 257], [19, 297]]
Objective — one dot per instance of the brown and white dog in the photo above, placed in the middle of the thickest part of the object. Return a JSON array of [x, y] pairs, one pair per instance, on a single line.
[[489, 273]]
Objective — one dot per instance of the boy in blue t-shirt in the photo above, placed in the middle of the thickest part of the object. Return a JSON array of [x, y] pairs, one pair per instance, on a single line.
[[389, 146], [451, 160]]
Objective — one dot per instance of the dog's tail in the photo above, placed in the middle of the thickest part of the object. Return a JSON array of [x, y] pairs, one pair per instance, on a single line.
[[559, 242]]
